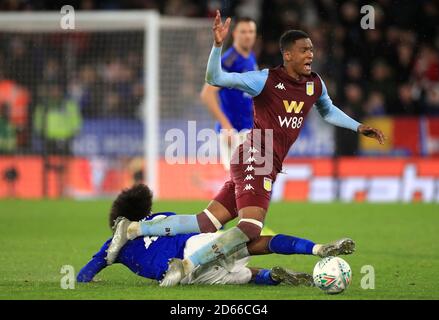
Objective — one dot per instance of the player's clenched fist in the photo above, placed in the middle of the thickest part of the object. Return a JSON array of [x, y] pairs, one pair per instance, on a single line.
[[220, 29]]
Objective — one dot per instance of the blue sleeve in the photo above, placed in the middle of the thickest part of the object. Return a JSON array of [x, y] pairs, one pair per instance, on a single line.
[[332, 114], [225, 63], [94, 266], [251, 82]]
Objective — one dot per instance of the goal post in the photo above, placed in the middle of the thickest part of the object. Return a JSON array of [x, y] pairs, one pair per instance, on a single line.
[[151, 117]]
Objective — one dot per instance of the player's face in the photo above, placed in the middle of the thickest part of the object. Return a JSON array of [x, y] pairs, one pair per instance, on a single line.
[[244, 35], [300, 56]]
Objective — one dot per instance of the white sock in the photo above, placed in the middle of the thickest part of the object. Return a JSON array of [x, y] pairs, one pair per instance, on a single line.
[[316, 249], [188, 266], [133, 230]]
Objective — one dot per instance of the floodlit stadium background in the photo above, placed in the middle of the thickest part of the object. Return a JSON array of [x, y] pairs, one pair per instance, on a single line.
[[94, 81]]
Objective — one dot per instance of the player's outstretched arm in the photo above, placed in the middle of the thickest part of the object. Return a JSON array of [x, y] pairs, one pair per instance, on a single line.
[[333, 115], [251, 82], [92, 268]]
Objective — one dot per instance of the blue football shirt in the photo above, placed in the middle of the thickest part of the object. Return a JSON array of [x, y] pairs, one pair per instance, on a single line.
[[145, 256], [237, 105]]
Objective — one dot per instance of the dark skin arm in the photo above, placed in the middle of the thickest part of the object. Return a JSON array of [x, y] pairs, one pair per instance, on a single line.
[[371, 133]]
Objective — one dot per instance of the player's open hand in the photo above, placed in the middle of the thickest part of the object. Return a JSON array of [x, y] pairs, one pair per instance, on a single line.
[[372, 133], [220, 29]]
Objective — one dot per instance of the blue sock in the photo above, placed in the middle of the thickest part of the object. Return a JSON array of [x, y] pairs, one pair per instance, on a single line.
[[283, 244], [264, 277], [170, 226]]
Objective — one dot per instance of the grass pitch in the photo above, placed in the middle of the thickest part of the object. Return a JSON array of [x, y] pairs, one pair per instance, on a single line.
[[400, 242]]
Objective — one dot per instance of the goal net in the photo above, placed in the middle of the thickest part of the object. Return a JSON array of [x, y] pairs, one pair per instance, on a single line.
[[84, 112]]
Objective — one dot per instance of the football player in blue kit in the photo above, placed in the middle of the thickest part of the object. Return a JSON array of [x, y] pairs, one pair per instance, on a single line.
[[148, 256]]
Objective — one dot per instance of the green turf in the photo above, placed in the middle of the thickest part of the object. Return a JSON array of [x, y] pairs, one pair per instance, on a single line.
[[401, 242]]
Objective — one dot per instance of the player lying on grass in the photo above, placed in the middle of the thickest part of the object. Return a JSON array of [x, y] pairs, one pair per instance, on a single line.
[[148, 256]]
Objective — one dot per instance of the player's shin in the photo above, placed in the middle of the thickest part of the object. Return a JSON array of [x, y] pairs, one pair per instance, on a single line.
[[225, 244], [173, 225]]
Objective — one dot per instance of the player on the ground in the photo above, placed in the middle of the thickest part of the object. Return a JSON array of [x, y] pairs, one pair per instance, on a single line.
[[282, 98], [148, 256], [233, 108]]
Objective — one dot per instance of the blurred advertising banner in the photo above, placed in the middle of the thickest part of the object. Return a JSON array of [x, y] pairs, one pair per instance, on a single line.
[[303, 179], [124, 137], [406, 136], [110, 137], [359, 179]]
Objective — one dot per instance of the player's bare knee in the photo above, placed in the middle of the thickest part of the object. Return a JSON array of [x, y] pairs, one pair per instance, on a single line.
[[208, 222], [251, 228]]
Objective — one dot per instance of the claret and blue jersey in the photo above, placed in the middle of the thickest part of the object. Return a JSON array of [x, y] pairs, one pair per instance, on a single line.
[[145, 256], [281, 103], [237, 105]]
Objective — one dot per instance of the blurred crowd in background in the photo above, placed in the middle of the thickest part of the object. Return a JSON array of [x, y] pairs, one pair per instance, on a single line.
[[390, 70]]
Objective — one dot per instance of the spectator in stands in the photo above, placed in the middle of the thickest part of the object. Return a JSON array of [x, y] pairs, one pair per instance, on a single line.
[[57, 120], [16, 99], [382, 81], [85, 90], [406, 101], [20, 66], [8, 139], [426, 75], [347, 141], [375, 105], [405, 62]]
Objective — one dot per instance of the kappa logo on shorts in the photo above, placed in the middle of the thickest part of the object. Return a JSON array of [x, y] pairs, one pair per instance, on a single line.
[[250, 159], [267, 184]]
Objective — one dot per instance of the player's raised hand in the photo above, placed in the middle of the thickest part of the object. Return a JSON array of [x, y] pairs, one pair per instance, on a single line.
[[220, 29], [371, 133]]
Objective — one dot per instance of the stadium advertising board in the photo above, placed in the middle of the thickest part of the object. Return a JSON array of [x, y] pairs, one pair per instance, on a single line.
[[304, 179]]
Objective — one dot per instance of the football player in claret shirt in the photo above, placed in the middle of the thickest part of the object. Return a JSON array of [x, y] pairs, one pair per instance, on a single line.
[[282, 98]]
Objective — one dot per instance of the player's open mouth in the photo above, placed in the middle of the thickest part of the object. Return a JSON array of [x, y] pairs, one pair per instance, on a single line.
[[308, 66]]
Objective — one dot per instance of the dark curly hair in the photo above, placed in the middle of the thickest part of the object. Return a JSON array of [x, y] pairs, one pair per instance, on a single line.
[[134, 204]]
